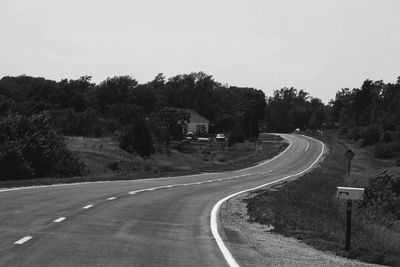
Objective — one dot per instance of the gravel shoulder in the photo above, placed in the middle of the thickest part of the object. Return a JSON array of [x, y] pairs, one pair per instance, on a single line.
[[272, 249]]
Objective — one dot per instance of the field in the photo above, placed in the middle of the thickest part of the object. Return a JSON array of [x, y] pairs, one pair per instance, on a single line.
[[99, 153], [307, 209], [106, 161]]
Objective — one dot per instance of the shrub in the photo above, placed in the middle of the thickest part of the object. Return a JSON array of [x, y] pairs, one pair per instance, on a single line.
[[387, 137], [31, 148], [236, 136], [370, 135], [343, 130], [384, 150], [114, 166], [138, 138], [354, 134], [382, 195]]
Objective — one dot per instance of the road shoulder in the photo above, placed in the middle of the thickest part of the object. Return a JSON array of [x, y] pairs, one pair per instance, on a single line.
[[270, 249]]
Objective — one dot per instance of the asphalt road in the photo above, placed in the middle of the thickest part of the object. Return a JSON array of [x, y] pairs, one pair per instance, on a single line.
[[153, 222]]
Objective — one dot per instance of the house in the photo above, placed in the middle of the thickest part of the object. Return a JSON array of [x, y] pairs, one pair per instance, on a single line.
[[197, 123]]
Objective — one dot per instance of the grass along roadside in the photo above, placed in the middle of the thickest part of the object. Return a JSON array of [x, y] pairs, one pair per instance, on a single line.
[[100, 153], [270, 249], [307, 209]]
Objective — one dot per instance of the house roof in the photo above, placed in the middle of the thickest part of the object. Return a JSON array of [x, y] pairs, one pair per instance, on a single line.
[[196, 117]]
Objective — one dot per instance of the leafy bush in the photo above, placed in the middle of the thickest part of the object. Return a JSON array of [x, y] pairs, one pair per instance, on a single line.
[[306, 209], [236, 136], [387, 137], [31, 148], [354, 133], [137, 137], [114, 166], [343, 130], [384, 150], [370, 135], [382, 195]]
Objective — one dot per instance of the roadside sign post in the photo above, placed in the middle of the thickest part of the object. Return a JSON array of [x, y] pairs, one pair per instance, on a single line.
[[350, 194], [349, 155]]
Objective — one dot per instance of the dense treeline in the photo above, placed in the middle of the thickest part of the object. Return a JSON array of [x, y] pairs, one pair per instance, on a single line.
[[370, 115], [289, 109], [143, 115], [80, 107], [138, 115]]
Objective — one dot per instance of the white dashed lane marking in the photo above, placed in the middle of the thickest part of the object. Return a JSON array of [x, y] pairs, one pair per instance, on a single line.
[[27, 238], [60, 219], [137, 191], [23, 240]]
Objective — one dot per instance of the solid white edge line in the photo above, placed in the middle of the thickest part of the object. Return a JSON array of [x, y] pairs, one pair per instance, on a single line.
[[132, 181], [23, 240], [59, 219], [111, 198], [87, 207], [214, 212], [264, 162]]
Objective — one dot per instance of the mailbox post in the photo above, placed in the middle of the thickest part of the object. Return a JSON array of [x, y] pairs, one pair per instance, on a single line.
[[348, 223], [350, 194]]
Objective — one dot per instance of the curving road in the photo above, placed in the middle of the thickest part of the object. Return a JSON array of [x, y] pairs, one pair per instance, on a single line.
[[153, 222]]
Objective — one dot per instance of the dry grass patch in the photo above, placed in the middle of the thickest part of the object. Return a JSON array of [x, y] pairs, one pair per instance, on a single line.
[[307, 209]]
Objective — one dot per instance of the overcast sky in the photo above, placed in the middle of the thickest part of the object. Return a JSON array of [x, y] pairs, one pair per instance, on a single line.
[[318, 46]]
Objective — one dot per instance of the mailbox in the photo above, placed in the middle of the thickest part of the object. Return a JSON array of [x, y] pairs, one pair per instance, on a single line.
[[351, 193]]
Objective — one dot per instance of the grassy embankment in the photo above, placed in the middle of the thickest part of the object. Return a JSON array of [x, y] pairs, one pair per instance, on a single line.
[[307, 209], [99, 153]]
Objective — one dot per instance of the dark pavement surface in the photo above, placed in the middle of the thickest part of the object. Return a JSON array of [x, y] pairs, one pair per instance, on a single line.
[[163, 226]]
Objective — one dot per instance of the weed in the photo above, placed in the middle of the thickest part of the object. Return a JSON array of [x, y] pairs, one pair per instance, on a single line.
[[307, 209]]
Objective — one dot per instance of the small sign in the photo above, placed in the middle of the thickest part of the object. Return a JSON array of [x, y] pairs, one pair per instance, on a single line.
[[351, 193], [349, 154]]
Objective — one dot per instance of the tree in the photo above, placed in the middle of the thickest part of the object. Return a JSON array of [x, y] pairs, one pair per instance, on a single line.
[[113, 90], [31, 148], [289, 109], [137, 137], [318, 117], [168, 123]]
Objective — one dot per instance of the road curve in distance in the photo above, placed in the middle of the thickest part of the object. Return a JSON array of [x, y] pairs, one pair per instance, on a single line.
[[153, 222]]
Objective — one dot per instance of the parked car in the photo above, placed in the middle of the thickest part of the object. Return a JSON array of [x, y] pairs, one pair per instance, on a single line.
[[189, 136], [220, 137], [203, 139]]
